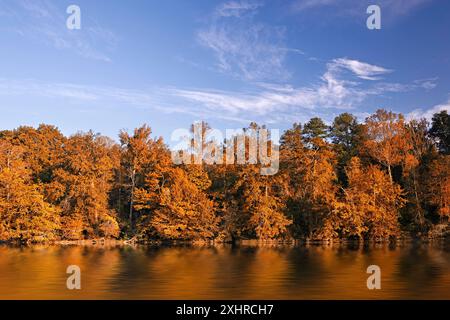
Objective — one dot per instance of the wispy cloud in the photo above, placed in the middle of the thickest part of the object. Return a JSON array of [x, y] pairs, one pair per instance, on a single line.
[[360, 69], [42, 21], [428, 84], [245, 48], [334, 91], [428, 113], [386, 87], [84, 97], [344, 86], [236, 8]]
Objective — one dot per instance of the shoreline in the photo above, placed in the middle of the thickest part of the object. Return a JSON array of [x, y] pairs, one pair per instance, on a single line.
[[247, 242]]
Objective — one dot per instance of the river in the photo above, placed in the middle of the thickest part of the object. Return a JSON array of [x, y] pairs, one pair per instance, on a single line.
[[408, 271]]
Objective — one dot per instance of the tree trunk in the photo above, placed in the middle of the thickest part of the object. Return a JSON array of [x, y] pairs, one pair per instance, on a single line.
[[133, 185], [390, 172], [419, 217]]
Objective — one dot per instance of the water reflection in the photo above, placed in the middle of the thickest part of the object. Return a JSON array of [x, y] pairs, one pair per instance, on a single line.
[[225, 272]]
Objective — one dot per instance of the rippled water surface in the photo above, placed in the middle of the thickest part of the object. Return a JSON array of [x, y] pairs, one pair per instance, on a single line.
[[245, 272]]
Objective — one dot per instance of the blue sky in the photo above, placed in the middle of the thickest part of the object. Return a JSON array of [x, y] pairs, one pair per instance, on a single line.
[[170, 63]]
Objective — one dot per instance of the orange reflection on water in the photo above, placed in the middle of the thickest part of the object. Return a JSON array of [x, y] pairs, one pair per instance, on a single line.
[[225, 272]]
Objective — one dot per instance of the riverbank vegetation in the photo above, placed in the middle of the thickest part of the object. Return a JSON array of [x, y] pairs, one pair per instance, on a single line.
[[380, 179]]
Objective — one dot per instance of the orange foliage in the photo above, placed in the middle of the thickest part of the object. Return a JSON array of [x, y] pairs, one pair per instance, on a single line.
[[371, 204], [350, 180]]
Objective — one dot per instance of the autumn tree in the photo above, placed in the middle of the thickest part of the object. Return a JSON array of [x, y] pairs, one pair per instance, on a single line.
[[308, 167], [437, 185], [84, 183], [413, 166], [262, 205], [258, 198], [43, 149], [134, 156], [223, 179], [349, 180], [172, 205], [387, 142], [24, 214], [370, 209]]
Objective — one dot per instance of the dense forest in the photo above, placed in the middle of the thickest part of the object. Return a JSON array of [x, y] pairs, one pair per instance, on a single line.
[[377, 180]]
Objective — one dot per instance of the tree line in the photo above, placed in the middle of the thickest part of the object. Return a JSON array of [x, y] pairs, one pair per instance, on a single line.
[[370, 181]]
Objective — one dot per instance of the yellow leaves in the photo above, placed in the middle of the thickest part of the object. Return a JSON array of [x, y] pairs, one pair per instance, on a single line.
[[179, 208], [81, 186], [24, 214], [27, 215], [198, 176], [388, 140], [261, 207], [109, 227], [268, 223], [143, 199], [371, 203], [72, 227]]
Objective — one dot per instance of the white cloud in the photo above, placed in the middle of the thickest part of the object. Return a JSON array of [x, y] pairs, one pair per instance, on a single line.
[[268, 102], [428, 114], [427, 84], [361, 69], [331, 92]]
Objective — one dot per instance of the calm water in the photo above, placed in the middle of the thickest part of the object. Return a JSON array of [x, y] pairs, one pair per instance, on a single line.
[[246, 272]]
